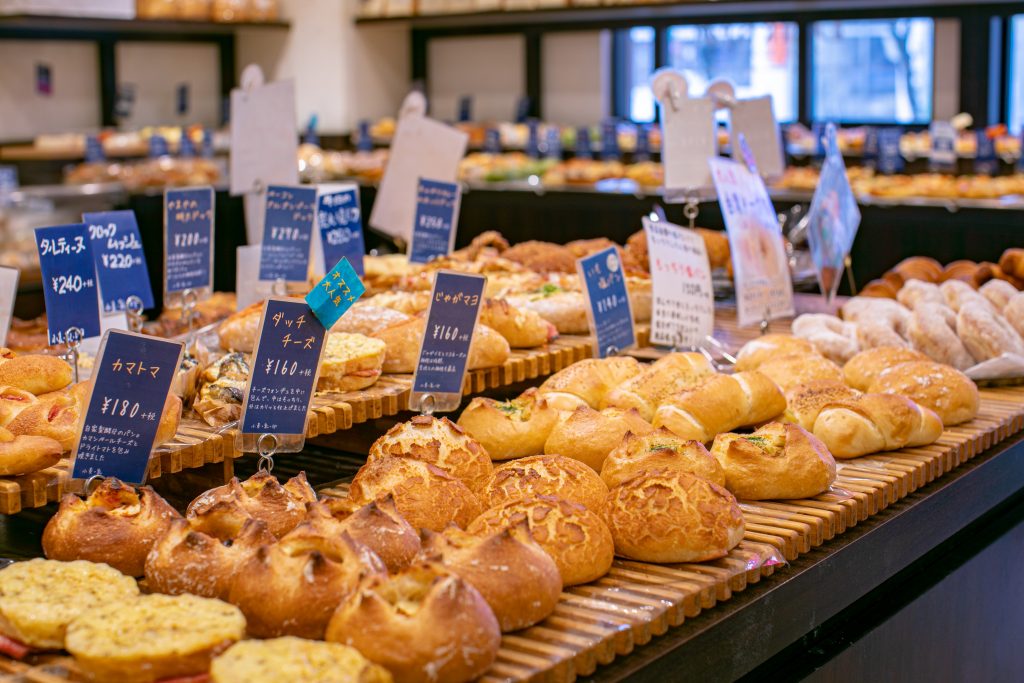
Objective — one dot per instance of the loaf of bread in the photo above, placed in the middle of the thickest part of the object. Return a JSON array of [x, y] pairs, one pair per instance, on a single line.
[[659, 449], [367, 319], [23, 454], [950, 393], [766, 347], [590, 435], [986, 334], [350, 362], [513, 428], [35, 373], [831, 337], [55, 416], [378, 525], [998, 293], [875, 422], [862, 369], [488, 349], [239, 330], [566, 310], [541, 475], [721, 403], [916, 292], [521, 327], [795, 369], [892, 314], [262, 497], [12, 402], [659, 380], [294, 659], [932, 331], [1012, 262], [805, 401], [587, 382], [440, 442]]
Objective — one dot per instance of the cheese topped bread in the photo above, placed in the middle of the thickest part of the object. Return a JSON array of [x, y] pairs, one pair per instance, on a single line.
[[350, 362], [294, 659]]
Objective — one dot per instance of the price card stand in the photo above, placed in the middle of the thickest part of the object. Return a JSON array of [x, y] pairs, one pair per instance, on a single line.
[[688, 136], [444, 350], [755, 120], [340, 226], [608, 308], [287, 236], [120, 261], [188, 250], [436, 219]]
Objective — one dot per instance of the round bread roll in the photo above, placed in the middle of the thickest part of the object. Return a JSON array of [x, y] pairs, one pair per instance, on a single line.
[[950, 393], [153, 637], [292, 587], [920, 267], [39, 598], [589, 435], [35, 373], [262, 497], [521, 327], [577, 539], [409, 303], [778, 461], [932, 331], [25, 454], [959, 294], [202, 554], [540, 475], [377, 525], [998, 293], [519, 581], [567, 311], [510, 429], [294, 659], [875, 422], [915, 292], [766, 347], [660, 449], [239, 330], [425, 624], [367, 319], [12, 402], [831, 337], [985, 334], [1014, 313], [116, 524], [587, 382], [862, 369], [487, 349], [440, 442], [792, 370], [662, 516], [427, 496]]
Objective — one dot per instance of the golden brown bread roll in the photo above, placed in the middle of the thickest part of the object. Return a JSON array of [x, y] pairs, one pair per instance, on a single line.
[[721, 403], [521, 327], [262, 497], [427, 496], [805, 401], [660, 449], [35, 373], [919, 267], [986, 334], [879, 289], [717, 244], [566, 310], [409, 303], [378, 525], [589, 435], [577, 539], [425, 624], [664, 516], [487, 350], [587, 382], [1012, 262], [513, 428], [863, 368], [793, 370], [12, 402], [959, 271], [292, 587], [22, 454], [947, 391], [116, 524], [294, 659], [541, 475], [440, 442], [659, 380], [875, 422], [239, 330], [55, 417], [519, 581], [766, 347]]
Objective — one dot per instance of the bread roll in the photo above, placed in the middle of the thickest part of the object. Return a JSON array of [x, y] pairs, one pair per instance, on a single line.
[[915, 292], [521, 327], [950, 393], [409, 303], [55, 417], [962, 270], [350, 362], [367, 319], [641, 300], [425, 624], [153, 637], [998, 293], [831, 337], [427, 496], [294, 659], [116, 524], [488, 349], [721, 403], [567, 311], [660, 449], [513, 428], [587, 382], [659, 380], [932, 331], [26, 454], [863, 368], [794, 369], [960, 294], [577, 539], [378, 525], [804, 402], [986, 335], [664, 516], [519, 581], [262, 497], [886, 312], [35, 373], [919, 267], [39, 598], [440, 442], [875, 422], [238, 332], [1012, 262], [12, 402], [766, 347], [541, 475], [1014, 312], [589, 435], [873, 335]]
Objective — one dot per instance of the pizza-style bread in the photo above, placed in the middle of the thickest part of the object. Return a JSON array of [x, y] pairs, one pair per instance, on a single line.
[[21, 454], [294, 659], [12, 402]]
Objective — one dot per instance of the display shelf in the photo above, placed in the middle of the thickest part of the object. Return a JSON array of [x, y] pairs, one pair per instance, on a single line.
[[90, 27]]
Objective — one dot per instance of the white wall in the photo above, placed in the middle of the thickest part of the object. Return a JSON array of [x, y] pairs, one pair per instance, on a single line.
[[576, 78], [156, 69], [489, 68], [75, 102], [947, 70]]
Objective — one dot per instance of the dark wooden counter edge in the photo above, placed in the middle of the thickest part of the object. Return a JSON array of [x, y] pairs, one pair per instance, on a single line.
[[741, 634]]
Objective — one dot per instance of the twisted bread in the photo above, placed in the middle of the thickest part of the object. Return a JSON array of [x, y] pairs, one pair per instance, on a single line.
[[666, 376], [986, 334], [721, 403], [863, 368], [915, 292], [588, 381], [932, 331], [875, 422], [880, 311], [998, 293], [830, 336], [796, 369], [804, 402]]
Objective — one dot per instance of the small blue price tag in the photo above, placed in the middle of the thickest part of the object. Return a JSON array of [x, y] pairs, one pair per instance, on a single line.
[[120, 261], [287, 233], [553, 142], [186, 148], [890, 160], [643, 144], [465, 109], [284, 371], [188, 239], [437, 214], [336, 293], [69, 281], [364, 143], [207, 149], [609, 140], [870, 146], [583, 148], [985, 160], [943, 155], [93, 150], [522, 109], [492, 141], [158, 146], [747, 154], [451, 321], [8, 183], [532, 149], [341, 227], [131, 380], [611, 319]]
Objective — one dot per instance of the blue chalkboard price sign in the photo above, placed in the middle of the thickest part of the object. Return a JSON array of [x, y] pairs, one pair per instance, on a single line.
[[188, 241], [69, 282], [287, 233], [120, 261], [341, 227], [437, 214], [131, 380], [611, 319]]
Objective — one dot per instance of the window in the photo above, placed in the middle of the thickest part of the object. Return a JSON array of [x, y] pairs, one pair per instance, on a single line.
[[872, 70], [635, 47], [758, 58], [1015, 120]]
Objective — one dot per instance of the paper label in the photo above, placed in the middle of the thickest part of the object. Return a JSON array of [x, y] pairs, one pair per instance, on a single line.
[[69, 281], [764, 287], [340, 219], [683, 296], [188, 240], [437, 215], [608, 309], [8, 292], [465, 109], [687, 140], [336, 293], [248, 288], [93, 150], [985, 160], [130, 383], [120, 260], [755, 119], [943, 152], [890, 160], [284, 373], [287, 233], [263, 141]]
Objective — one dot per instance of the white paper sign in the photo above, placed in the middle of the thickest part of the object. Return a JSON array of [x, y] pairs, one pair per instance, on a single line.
[[687, 139], [422, 148], [764, 286], [248, 287], [8, 292], [264, 145], [756, 120], [683, 296], [112, 321]]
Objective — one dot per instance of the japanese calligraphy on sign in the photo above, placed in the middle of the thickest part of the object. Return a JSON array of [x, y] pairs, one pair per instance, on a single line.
[[336, 293], [437, 215], [69, 281], [188, 241], [683, 312], [120, 261], [287, 232], [608, 309], [131, 380], [341, 226]]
